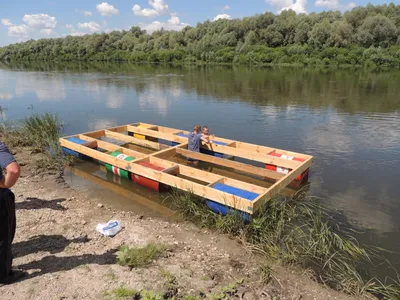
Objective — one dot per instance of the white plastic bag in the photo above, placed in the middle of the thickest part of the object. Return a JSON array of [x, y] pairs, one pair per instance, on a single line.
[[110, 228]]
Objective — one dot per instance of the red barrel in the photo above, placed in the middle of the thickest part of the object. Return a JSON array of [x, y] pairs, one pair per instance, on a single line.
[[149, 183], [286, 170]]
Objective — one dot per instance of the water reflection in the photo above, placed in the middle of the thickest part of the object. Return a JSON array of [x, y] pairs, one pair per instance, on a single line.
[[47, 87]]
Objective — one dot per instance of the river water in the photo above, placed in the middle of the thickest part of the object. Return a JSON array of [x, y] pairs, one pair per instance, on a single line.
[[348, 120]]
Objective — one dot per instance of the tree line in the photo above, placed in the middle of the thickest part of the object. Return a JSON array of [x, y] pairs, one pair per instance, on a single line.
[[365, 36]]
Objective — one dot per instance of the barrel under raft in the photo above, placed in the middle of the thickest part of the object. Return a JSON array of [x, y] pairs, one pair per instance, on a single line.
[[300, 178], [223, 209], [79, 142], [149, 183], [117, 171]]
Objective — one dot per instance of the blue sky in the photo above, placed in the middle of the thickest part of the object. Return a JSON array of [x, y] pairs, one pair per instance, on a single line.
[[25, 19]]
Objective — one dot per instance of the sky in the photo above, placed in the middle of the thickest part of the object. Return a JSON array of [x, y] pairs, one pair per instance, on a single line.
[[33, 19]]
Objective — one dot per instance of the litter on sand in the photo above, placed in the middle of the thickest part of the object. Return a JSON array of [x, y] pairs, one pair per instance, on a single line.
[[110, 228]]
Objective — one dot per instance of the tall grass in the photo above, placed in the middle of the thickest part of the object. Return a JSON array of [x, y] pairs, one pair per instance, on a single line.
[[296, 231], [40, 131]]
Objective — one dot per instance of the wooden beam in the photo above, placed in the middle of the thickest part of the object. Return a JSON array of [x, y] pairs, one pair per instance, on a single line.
[[230, 164], [265, 150], [133, 140], [281, 184], [180, 183], [172, 170], [267, 159], [111, 147]]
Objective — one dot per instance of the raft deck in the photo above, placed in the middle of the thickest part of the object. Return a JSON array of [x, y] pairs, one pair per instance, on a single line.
[[167, 142]]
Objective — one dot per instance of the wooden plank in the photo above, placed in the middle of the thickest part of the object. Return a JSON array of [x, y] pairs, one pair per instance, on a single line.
[[267, 159], [221, 180], [157, 134], [133, 140], [180, 183], [230, 164], [111, 147], [281, 184], [245, 186], [172, 170], [265, 150]]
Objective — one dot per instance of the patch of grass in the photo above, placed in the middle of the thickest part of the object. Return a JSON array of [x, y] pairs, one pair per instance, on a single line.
[[138, 257], [294, 231], [150, 295], [122, 293], [227, 292], [266, 273]]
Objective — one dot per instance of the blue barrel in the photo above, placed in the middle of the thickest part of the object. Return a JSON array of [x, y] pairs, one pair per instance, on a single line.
[[224, 210], [75, 153], [181, 135]]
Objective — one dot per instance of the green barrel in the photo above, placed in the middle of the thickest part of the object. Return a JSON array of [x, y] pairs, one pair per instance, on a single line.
[[118, 171]]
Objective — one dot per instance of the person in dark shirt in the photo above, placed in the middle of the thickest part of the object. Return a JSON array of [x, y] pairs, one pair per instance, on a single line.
[[7, 214], [194, 142]]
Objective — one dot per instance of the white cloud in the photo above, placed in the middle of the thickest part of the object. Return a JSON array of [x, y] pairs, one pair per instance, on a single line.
[[40, 21], [106, 9], [226, 7], [222, 16], [327, 3], [6, 22], [47, 31], [159, 7], [334, 4], [20, 31], [70, 26], [87, 13], [77, 33], [351, 5], [298, 6], [172, 24], [91, 26]]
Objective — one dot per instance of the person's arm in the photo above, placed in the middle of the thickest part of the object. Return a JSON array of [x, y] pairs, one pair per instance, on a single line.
[[8, 164], [11, 177], [205, 139]]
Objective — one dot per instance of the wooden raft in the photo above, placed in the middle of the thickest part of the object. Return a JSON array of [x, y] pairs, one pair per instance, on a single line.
[[157, 137]]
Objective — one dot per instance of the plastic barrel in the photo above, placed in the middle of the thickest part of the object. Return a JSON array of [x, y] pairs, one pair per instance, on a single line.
[[141, 136], [223, 209], [116, 170], [283, 170], [181, 135], [149, 183], [79, 142]]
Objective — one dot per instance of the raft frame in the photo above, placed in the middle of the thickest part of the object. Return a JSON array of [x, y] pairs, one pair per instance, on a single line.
[[167, 176]]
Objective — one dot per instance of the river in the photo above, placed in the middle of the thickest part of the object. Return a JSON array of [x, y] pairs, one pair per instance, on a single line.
[[348, 120]]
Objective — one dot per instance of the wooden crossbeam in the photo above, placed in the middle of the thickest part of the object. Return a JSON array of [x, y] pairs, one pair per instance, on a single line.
[[180, 183], [111, 147], [230, 164], [133, 140]]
